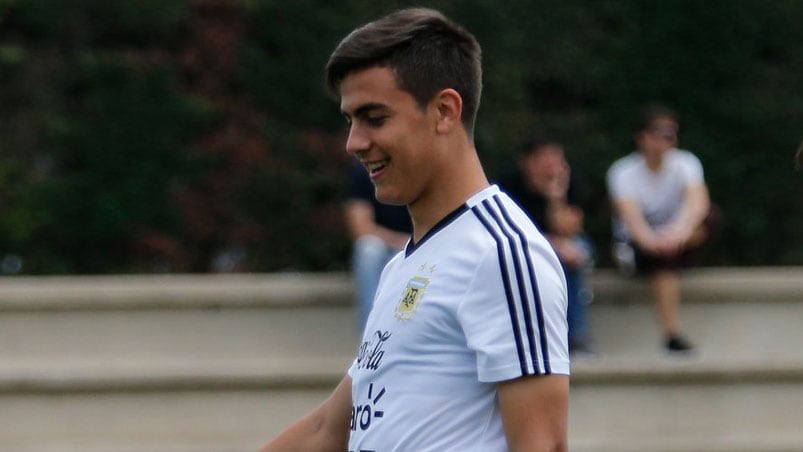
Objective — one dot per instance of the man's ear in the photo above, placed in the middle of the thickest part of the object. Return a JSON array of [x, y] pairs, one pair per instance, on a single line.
[[449, 110]]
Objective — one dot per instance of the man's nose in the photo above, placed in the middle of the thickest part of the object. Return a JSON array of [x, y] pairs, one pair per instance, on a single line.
[[357, 141]]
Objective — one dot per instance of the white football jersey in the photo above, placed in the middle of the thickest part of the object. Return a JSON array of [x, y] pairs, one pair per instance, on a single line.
[[479, 300]]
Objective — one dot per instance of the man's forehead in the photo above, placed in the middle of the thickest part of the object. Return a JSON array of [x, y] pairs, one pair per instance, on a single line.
[[371, 86], [664, 122]]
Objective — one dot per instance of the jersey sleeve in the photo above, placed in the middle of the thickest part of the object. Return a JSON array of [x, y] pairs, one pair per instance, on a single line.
[[514, 312]]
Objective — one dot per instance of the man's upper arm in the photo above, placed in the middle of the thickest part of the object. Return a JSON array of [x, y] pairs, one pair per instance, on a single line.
[[324, 429], [535, 412], [339, 410], [697, 196], [695, 208]]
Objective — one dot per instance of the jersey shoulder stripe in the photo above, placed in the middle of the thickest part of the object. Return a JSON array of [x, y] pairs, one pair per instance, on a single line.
[[528, 272], [519, 282]]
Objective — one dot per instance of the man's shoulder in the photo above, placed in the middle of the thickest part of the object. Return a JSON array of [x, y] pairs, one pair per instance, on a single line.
[[682, 156], [631, 158], [630, 162], [491, 209], [500, 218]]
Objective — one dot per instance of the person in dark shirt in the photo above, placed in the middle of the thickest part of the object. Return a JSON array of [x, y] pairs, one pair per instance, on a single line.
[[379, 232], [545, 187]]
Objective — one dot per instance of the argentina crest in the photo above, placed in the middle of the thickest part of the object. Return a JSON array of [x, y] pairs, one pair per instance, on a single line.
[[405, 310]]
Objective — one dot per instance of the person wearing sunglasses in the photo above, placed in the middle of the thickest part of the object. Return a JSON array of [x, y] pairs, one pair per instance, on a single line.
[[662, 214]]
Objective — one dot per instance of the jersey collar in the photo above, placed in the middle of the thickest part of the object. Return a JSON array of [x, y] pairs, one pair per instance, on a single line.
[[449, 218]]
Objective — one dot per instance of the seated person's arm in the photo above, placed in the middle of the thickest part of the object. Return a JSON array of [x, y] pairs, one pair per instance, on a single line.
[[641, 234], [695, 208], [360, 221]]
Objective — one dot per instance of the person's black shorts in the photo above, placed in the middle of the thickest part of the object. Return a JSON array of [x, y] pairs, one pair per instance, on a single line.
[[648, 263]]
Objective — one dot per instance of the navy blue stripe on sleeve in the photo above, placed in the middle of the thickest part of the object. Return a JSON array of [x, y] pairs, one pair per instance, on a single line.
[[530, 267], [514, 320], [513, 249]]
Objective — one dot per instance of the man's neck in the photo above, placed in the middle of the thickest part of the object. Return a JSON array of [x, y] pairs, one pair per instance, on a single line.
[[654, 160], [462, 180]]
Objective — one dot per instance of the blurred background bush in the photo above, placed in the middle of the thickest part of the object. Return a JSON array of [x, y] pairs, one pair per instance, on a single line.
[[196, 135]]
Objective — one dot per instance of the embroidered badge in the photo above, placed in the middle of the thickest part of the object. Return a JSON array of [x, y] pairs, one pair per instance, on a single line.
[[412, 296]]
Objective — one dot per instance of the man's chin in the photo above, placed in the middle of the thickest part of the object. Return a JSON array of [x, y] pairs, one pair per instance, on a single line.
[[389, 199]]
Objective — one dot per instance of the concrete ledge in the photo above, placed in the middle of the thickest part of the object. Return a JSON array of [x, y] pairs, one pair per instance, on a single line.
[[683, 370], [93, 377], [174, 291], [304, 373], [153, 292], [711, 284], [316, 289], [678, 443]]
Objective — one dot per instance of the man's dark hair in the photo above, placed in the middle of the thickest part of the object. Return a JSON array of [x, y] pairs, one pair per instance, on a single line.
[[426, 51], [536, 140], [649, 113]]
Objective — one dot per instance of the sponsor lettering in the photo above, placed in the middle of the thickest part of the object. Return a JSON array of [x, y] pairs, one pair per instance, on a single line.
[[371, 351]]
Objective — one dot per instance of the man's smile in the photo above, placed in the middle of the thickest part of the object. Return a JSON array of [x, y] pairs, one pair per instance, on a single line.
[[376, 166]]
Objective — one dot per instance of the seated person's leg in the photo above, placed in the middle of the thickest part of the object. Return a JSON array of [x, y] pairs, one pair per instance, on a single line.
[[663, 273], [369, 257]]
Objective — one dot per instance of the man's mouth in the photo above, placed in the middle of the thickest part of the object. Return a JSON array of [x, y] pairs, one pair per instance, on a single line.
[[375, 167]]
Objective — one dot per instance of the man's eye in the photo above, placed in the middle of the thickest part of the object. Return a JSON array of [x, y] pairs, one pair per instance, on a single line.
[[376, 120]]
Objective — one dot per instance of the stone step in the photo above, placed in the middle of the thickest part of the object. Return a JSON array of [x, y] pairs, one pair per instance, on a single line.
[[732, 339], [733, 417], [722, 417], [163, 345], [173, 291], [189, 420], [131, 292], [709, 285], [164, 336], [220, 363]]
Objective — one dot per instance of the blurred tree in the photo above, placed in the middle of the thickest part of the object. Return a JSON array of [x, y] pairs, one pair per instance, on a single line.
[[196, 135]]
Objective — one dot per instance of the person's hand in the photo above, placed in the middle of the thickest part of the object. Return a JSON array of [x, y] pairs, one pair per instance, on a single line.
[[662, 243], [565, 220], [568, 252]]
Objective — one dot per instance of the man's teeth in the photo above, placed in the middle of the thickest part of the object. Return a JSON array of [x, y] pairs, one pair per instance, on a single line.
[[374, 167]]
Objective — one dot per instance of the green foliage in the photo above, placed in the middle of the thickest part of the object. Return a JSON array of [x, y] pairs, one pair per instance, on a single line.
[[281, 47], [119, 150], [104, 137], [105, 134], [100, 22]]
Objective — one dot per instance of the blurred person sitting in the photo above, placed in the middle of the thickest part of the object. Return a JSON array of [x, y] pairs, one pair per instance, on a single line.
[[662, 213], [544, 185], [379, 231]]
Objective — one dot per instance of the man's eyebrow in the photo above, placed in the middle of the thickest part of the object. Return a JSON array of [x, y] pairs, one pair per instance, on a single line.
[[364, 109]]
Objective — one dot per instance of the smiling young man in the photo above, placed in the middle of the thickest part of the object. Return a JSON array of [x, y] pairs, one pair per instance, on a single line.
[[466, 346]]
